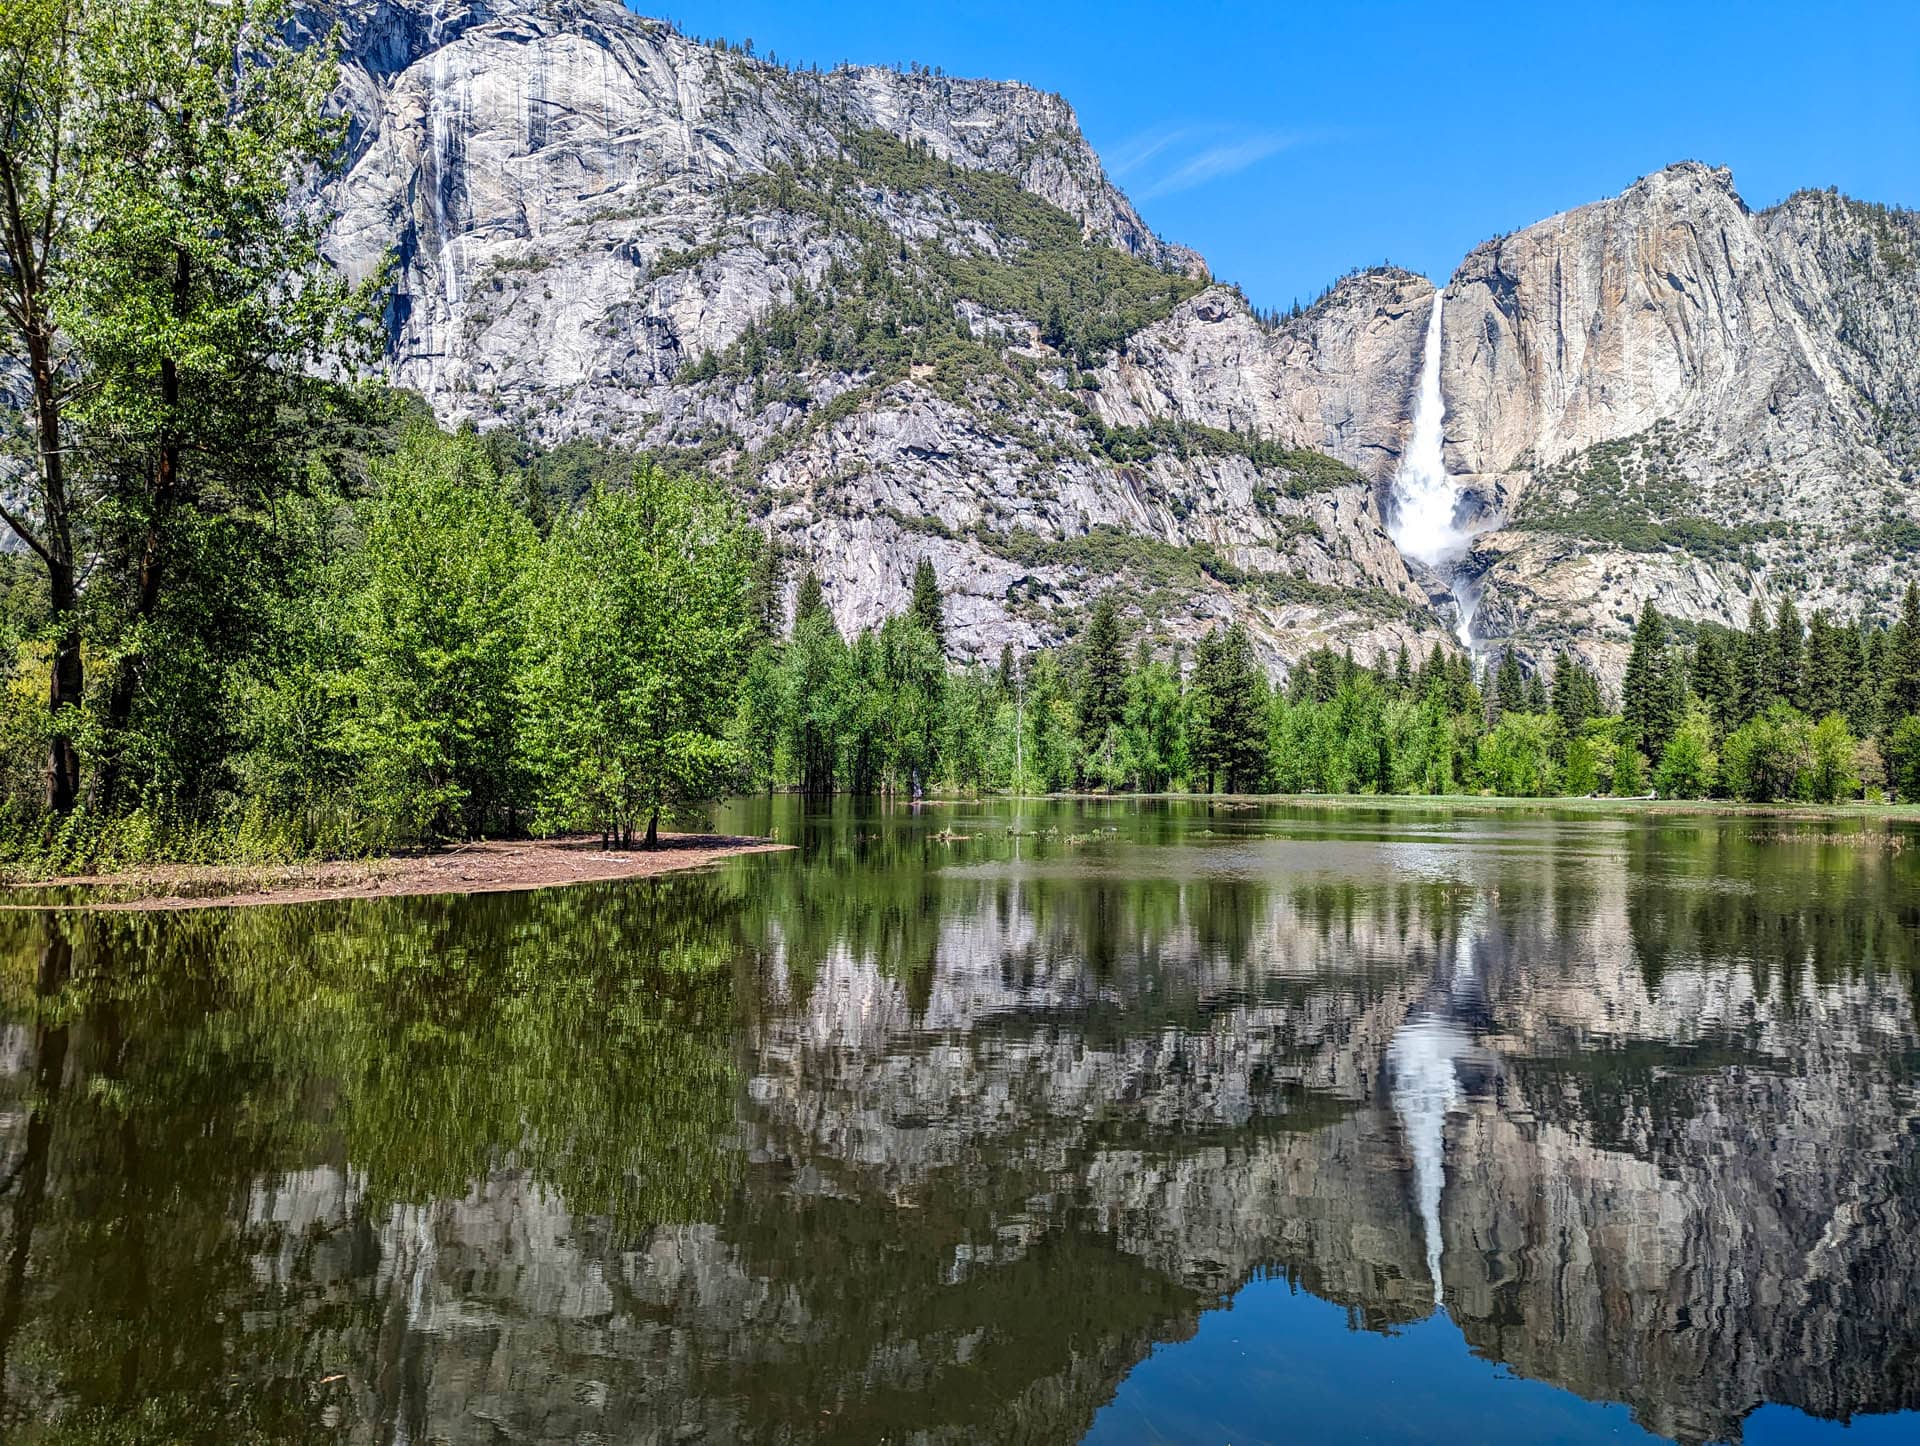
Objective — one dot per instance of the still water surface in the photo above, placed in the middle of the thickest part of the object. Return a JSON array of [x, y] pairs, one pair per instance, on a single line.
[[1131, 1123]]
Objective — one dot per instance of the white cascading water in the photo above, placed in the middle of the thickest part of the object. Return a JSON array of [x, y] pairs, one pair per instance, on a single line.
[[1426, 502], [444, 117], [1422, 1062]]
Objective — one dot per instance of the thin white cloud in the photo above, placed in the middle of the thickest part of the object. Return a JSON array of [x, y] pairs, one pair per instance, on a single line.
[[1224, 159], [1134, 152]]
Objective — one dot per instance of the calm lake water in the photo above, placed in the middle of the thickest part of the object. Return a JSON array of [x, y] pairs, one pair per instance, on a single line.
[[1130, 1123]]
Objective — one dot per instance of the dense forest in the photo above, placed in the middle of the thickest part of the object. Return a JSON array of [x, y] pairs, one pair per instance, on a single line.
[[1779, 711], [257, 605]]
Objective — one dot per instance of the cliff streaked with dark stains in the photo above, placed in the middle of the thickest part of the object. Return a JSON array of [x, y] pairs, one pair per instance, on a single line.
[[1667, 394]]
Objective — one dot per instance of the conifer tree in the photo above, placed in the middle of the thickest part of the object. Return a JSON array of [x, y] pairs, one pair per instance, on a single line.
[[1509, 691], [1757, 666], [1103, 674], [1576, 694], [927, 608], [766, 608], [1901, 659], [1789, 655], [809, 599], [1536, 693], [1712, 676], [1824, 690], [1649, 695]]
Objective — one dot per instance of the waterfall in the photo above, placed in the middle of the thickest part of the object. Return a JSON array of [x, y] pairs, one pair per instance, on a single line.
[[1425, 1091], [1423, 1063], [443, 117], [1426, 524], [439, 105]]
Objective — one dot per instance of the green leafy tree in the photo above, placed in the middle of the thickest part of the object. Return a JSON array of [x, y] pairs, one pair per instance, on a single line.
[[914, 703], [1688, 766], [817, 673], [638, 632], [439, 617], [1767, 759], [43, 218], [1517, 756], [172, 314], [1903, 758], [1832, 764], [202, 312], [1150, 720]]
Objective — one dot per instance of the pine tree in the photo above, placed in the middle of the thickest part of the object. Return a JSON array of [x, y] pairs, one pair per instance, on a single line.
[[1402, 673], [1103, 674], [1509, 691], [1789, 656], [1712, 676], [1900, 664], [1649, 695], [1536, 693], [1757, 666], [1203, 704], [1576, 694], [809, 598], [766, 608], [1825, 688], [1241, 721], [1229, 711], [927, 608], [1863, 677]]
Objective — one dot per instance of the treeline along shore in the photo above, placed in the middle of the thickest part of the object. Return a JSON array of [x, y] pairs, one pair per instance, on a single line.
[[257, 606]]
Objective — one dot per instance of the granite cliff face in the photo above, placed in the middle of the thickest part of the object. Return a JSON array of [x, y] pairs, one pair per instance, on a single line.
[[844, 291]]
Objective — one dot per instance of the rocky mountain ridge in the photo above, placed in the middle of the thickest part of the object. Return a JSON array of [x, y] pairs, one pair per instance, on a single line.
[[908, 315]]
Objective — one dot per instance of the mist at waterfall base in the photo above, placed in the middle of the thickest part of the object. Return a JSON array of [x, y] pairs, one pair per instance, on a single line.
[[1425, 523]]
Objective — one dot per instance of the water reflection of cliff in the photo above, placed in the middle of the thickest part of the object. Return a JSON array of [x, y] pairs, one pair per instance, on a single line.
[[940, 1138]]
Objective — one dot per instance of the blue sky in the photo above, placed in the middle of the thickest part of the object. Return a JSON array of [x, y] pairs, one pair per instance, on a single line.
[[1291, 142]]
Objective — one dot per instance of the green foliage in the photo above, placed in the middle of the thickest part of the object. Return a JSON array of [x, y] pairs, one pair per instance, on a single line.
[[1627, 494], [926, 608], [1768, 758], [1688, 767], [638, 631], [1903, 758], [440, 617]]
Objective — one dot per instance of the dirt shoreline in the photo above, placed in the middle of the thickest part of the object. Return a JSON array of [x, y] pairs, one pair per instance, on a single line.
[[491, 867]]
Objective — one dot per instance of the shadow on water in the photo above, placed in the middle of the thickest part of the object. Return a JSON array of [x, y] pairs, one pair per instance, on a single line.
[[942, 1124]]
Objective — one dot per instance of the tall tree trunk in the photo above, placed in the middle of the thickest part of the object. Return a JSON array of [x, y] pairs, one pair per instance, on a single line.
[[653, 831]]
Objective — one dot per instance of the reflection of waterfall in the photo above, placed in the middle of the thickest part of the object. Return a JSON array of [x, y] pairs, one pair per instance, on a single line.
[[1422, 1063], [1426, 525]]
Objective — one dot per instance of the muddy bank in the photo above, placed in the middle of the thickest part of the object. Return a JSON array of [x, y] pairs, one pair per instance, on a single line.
[[481, 868]]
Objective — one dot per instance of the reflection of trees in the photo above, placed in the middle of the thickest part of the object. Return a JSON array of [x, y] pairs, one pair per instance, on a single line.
[[907, 1135], [580, 1038]]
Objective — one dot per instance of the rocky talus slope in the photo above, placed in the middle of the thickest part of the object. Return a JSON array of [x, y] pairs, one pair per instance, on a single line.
[[909, 315]]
